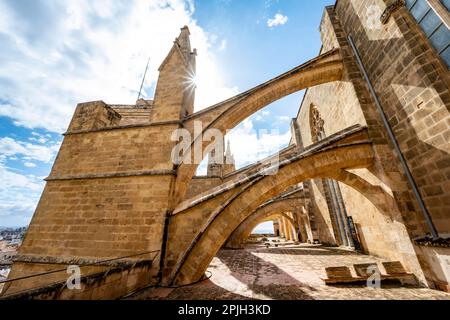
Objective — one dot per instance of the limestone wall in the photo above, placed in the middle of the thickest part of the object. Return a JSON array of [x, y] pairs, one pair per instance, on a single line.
[[132, 115], [92, 116], [413, 85], [98, 217], [340, 106], [115, 151], [202, 184], [106, 196]]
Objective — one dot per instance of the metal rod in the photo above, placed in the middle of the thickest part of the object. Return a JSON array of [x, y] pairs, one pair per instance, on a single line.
[[394, 141], [344, 209], [143, 79], [338, 213]]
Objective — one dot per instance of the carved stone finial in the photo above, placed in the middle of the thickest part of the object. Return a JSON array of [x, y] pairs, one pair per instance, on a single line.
[[390, 9], [316, 122]]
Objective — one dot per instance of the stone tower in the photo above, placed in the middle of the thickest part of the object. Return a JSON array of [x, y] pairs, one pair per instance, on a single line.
[[175, 91], [215, 168], [220, 167]]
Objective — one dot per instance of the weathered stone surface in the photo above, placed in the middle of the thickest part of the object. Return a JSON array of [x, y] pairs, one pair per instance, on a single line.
[[289, 273], [114, 189]]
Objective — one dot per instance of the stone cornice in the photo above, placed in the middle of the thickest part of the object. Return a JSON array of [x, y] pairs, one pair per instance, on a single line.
[[113, 175], [131, 126]]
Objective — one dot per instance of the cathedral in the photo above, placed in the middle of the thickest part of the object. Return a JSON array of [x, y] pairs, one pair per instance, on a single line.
[[367, 168]]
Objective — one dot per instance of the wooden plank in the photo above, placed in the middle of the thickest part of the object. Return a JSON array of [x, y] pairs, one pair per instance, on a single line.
[[394, 267], [362, 269], [338, 272]]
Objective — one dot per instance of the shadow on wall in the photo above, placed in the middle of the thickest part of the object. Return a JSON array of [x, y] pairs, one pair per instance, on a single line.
[[325, 232], [413, 87], [362, 240], [416, 101]]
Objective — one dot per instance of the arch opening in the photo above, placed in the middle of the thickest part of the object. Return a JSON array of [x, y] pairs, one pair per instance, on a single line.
[[265, 228], [326, 68], [259, 136], [211, 240]]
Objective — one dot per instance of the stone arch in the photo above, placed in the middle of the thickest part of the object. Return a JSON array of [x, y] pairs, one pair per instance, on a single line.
[[282, 214], [192, 265], [269, 210], [327, 67], [380, 198], [246, 234]]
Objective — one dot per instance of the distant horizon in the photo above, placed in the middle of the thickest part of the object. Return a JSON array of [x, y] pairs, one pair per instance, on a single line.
[[264, 228], [13, 227], [263, 232]]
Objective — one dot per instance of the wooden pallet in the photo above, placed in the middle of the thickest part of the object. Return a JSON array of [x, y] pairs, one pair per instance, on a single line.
[[343, 275]]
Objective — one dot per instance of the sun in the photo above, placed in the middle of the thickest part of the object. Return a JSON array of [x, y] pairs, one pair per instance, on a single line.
[[191, 81]]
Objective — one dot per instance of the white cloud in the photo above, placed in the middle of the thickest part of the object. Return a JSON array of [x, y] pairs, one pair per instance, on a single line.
[[10, 147], [19, 192], [284, 118], [262, 116], [223, 45], [56, 54], [29, 165], [277, 20], [249, 146], [19, 195], [12, 180], [41, 138]]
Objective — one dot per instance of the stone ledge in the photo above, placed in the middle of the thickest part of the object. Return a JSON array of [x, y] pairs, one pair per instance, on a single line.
[[75, 261], [88, 280], [114, 175], [131, 126], [430, 242]]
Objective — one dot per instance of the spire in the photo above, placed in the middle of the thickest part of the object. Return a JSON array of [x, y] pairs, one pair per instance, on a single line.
[[229, 165], [175, 94], [229, 158], [184, 43]]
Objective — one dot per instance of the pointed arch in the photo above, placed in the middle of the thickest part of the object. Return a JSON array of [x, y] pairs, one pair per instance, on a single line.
[[192, 264], [276, 208], [327, 67]]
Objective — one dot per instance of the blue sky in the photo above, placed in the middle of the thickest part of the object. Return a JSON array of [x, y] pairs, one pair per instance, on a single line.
[[55, 54]]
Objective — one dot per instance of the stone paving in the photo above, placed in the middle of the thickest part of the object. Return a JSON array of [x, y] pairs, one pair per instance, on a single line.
[[292, 272]]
